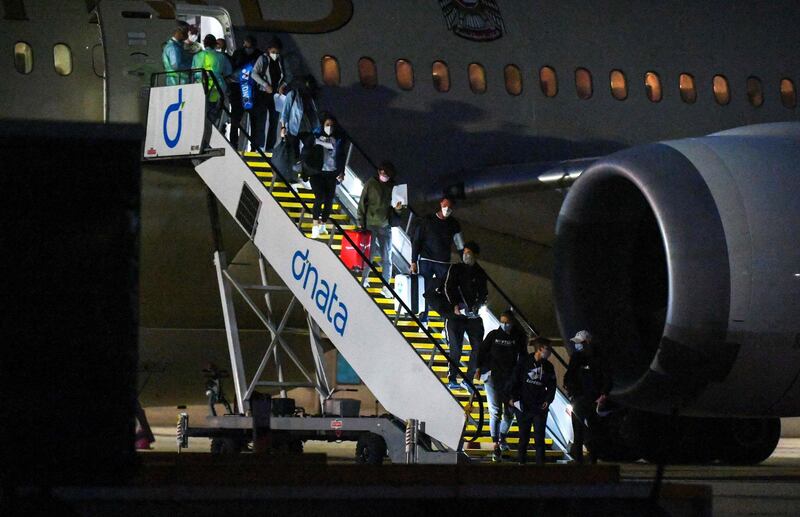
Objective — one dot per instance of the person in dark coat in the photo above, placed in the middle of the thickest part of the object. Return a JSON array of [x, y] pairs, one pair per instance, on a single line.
[[533, 388], [499, 353], [246, 55], [466, 289], [271, 76], [587, 384]]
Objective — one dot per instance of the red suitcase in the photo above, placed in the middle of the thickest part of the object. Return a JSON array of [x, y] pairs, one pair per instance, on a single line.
[[349, 255]]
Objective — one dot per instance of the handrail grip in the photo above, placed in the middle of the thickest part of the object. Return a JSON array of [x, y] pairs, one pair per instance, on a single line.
[[356, 248]]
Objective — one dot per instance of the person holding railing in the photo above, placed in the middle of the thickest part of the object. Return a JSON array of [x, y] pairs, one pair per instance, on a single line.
[[498, 354], [375, 214], [331, 144], [533, 389], [431, 245], [174, 58], [466, 289], [217, 64]]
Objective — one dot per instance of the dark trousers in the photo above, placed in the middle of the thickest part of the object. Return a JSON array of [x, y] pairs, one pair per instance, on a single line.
[[324, 188], [272, 130], [428, 270], [237, 114], [456, 327], [583, 417], [258, 125], [524, 421]]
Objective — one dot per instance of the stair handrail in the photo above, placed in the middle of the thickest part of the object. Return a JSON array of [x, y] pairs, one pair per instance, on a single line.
[[356, 248]]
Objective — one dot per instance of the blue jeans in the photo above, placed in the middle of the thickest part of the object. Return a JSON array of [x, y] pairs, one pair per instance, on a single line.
[[381, 246], [498, 405]]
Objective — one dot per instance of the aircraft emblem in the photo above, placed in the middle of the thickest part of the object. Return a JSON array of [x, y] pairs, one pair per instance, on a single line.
[[476, 20]]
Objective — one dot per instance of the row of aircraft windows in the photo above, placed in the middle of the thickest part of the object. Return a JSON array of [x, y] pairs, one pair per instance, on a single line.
[[23, 58], [548, 82]]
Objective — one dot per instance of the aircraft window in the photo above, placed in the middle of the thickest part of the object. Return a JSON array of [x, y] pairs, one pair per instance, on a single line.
[[755, 93], [688, 91], [477, 78], [330, 71], [583, 83], [405, 74], [367, 72], [619, 87], [548, 81], [721, 91], [652, 84], [513, 78], [441, 76], [788, 93], [62, 59], [23, 57]]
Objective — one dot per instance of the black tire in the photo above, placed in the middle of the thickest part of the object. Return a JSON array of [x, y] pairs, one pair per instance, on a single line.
[[225, 446], [283, 443], [370, 449], [748, 441]]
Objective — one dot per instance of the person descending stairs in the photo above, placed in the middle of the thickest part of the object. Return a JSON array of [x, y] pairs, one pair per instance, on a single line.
[[410, 329]]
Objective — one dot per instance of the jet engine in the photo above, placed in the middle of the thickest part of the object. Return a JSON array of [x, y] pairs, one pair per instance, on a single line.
[[682, 258]]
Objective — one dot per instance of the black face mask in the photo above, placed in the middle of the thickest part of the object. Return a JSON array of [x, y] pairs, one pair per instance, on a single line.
[[249, 50]]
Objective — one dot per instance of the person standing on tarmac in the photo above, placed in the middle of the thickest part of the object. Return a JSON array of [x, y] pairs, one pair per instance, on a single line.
[[466, 289], [431, 245], [499, 353], [533, 388], [375, 215], [587, 384]]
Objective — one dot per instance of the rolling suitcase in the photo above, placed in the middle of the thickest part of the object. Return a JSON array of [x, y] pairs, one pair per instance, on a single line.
[[410, 289], [349, 255]]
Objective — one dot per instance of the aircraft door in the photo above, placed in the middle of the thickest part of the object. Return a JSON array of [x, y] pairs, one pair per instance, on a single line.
[[133, 35]]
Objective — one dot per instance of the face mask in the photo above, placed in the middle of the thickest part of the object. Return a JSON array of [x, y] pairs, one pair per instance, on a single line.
[[578, 347], [329, 130], [383, 177], [192, 38], [506, 327], [545, 355], [274, 56], [249, 50], [469, 259], [446, 211]]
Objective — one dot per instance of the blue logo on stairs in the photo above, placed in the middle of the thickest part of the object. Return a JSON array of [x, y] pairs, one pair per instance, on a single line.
[[325, 297], [177, 106]]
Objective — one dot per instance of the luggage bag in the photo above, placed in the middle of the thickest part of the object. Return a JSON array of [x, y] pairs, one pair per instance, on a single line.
[[410, 289], [349, 255]]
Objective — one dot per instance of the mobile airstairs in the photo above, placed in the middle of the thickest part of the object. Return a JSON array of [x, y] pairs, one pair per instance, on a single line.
[[400, 360]]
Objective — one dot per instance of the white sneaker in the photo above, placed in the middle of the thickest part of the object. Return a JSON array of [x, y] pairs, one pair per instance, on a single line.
[[386, 292], [315, 232], [323, 229]]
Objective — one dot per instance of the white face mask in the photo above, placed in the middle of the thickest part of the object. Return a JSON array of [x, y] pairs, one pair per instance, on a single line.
[[383, 177], [192, 38], [328, 130], [274, 56], [446, 211], [506, 327], [469, 259], [578, 347]]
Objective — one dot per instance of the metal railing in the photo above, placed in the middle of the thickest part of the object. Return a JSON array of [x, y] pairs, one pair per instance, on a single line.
[[204, 76]]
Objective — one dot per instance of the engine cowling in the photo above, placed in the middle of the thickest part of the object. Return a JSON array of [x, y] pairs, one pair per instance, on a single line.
[[683, 259]]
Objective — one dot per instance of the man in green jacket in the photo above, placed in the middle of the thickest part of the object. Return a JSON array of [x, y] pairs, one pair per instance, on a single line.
[[219, 65], [375, 213]]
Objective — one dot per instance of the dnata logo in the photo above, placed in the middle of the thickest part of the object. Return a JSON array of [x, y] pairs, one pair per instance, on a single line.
[[321, 292], [176, 106]]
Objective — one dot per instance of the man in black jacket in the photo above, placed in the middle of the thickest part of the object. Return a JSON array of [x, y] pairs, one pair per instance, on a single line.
[[587, 384], [499, 353], [246, 55], [533, 388], [431, 244], [466, 291]]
